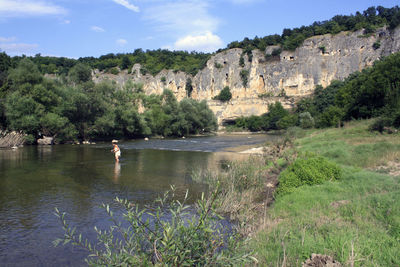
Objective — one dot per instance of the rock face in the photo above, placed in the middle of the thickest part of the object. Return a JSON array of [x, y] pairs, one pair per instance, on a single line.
[[292, 74], [11, 139], [46, 140]]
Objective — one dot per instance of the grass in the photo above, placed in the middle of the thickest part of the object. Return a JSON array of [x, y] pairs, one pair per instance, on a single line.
[[353, 145], [356, 220]]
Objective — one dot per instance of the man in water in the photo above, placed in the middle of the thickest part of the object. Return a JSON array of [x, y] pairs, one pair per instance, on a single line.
[[116, 150]]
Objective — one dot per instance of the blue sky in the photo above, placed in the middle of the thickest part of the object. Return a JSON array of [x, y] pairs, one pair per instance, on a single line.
[[79, 28]]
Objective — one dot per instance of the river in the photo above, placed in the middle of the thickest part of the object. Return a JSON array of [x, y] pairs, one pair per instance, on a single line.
[[78, 178]]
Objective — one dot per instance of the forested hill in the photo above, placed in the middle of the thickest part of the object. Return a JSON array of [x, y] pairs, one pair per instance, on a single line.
[[153, 61]]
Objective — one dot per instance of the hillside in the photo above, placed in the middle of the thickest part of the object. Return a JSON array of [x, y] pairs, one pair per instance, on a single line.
[[266, 79]]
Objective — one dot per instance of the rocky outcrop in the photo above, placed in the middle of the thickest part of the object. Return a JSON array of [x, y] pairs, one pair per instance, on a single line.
[[45, 140], [292, 74], [11, 139]]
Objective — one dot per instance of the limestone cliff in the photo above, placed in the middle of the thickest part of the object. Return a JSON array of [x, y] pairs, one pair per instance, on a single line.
[[292, 74]]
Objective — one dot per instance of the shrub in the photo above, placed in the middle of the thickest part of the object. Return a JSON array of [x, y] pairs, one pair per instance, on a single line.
[[244, 75], [332, 116], [164, 235], [114, 71], [307, 171], [276, 52], [376, 45], [241, 61], [287, 121], [218, 65], [189, 87], [306, 120], [380, 124], [275, 113], [225, 95]]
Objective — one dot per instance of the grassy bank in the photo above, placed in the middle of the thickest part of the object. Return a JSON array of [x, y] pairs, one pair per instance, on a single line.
[[356, 220]]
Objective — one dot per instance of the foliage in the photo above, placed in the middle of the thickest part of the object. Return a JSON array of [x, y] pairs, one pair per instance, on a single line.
[[189, 87], [339, 218], [287, 121], [276, 112], [276, 118], [276, 52], [80, 73], [244, 75], [241, 186], [225, 95], [332, 116], [218, 65], [241, 61], [374, 92], [167, 234], [153, 61], [290, 39], [307, 171], [306, 120], [376, 45], [82, 109]]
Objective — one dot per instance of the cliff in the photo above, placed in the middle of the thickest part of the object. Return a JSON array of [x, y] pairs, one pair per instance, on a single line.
[[285, 77]]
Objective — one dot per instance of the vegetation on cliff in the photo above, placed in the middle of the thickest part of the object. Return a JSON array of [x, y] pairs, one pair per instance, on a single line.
[[369, 20], [373, 92], [76, 108]]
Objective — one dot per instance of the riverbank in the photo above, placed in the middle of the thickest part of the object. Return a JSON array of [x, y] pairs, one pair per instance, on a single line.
[[356, 220]]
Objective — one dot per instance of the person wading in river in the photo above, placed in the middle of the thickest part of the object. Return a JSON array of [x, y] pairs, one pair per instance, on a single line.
[[116, 150]]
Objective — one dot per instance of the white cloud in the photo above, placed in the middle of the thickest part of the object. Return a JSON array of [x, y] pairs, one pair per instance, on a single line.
[[66, 21], [207, 42], [22, 8], [121, 42], [181, 17], [7, 39], [18, 48], [9, 45], [97, 29], [128, 5]]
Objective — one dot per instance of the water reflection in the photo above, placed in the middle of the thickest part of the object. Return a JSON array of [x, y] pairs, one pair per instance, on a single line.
[[117, 171]]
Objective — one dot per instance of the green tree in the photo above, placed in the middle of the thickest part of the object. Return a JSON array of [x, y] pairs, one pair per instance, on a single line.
[[80, 73], [225, 95], [275, 113]]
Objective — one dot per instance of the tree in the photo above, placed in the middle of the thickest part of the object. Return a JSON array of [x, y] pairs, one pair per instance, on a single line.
[[80, 73], [125, 63], [189, 87], [225, 95], [275, 113]]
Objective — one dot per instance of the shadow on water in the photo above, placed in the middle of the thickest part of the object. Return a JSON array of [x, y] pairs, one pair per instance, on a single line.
[[77, 179]]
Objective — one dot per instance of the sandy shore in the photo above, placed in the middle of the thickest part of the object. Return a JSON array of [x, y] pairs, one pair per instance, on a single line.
[[255, 150]]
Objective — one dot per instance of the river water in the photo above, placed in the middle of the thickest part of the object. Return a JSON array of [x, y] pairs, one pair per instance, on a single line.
[[78, 178]]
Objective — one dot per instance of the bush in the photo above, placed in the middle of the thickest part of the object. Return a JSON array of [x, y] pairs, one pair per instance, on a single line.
[[287, 121], [307, 171], [244, 75], [164, 235], [276, 112], [332, 116], [306, 120], [225, 95], [380, 124], [376, 45], [114, 71]]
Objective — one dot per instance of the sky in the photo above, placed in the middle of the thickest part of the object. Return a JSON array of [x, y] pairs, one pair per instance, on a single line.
[[81, 28]]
